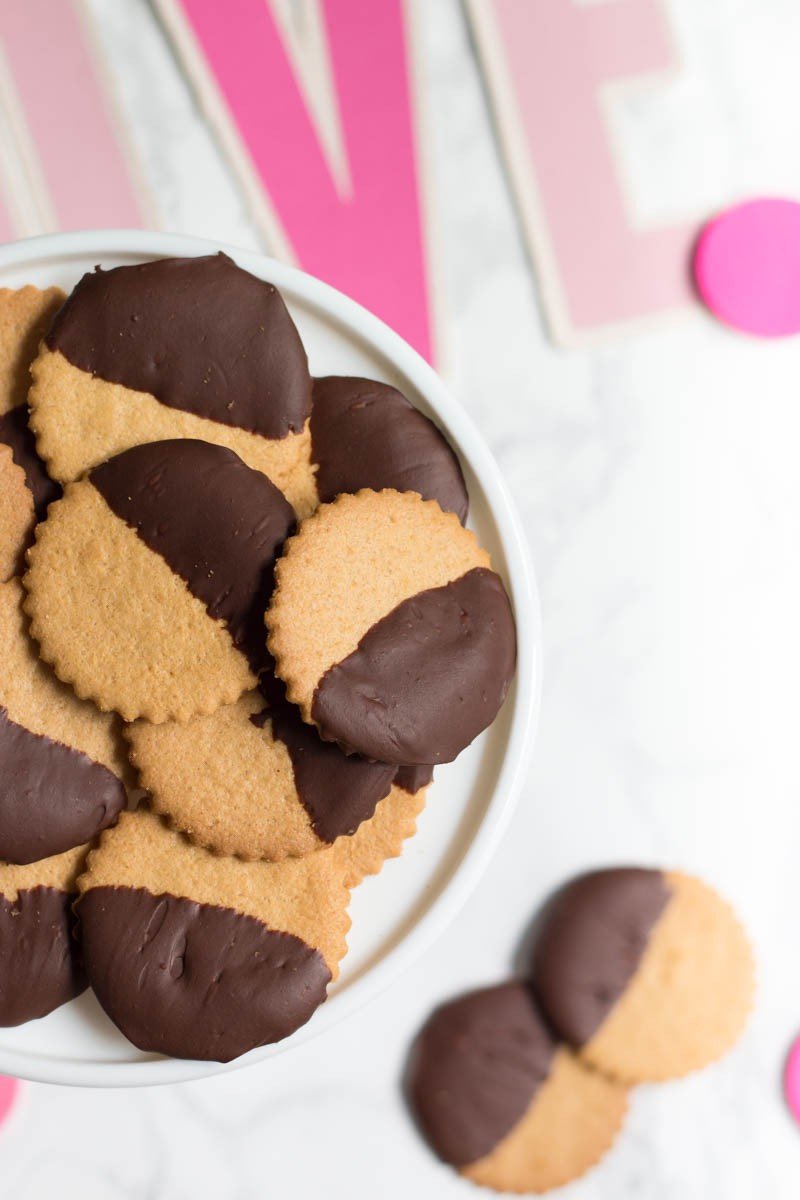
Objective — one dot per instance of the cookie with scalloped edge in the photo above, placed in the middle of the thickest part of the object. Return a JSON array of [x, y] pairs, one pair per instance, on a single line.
[[391, 631], [175, 348], [252, 779], [200, 956], [40, 960], [147, 582], [61, 762], [647, 974], [501, 1100]]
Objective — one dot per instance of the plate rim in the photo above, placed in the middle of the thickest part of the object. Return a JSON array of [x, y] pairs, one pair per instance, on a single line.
[[525, 697]]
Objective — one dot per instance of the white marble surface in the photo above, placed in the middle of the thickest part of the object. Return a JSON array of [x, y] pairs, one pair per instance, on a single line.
[[658, 479]]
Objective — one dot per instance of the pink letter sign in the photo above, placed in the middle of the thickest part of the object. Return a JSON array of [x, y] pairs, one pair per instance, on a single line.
[[63, 161], [546, 62], [336, 191]]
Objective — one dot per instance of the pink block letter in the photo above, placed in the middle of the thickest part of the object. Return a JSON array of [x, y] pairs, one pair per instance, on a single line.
[[85, 175], [555, 56], [370, 244]]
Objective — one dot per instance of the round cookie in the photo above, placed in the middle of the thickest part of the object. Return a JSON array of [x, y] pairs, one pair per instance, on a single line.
[[177, 348], [40, 960], [61, 769], [648, 974], [392, 633], [25, 487], [198, 956], [497, 1097], [252, 779], [365, 434], [148, 579]]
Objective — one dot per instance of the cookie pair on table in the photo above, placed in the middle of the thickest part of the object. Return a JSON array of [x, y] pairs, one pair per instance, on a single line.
[[257, 592], [636, 976]]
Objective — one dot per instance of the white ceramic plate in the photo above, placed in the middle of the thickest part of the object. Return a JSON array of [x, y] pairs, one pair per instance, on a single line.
[[398, 914]]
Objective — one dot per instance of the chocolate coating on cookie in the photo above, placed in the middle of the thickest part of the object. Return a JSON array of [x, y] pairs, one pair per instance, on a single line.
[[338, 791], [196, 980], [594, 936], [14, 431], [475, 1069], [365, 434], [40, 966], [425, 680], [215, 521], [199, 334], [52, 797]]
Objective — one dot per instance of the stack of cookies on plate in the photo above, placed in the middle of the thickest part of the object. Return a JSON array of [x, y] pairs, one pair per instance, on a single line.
[[255, 604]]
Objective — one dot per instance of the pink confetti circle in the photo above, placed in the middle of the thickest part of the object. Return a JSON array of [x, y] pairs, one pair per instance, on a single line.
[[747, 267], [791, 1080], [9, 1091]]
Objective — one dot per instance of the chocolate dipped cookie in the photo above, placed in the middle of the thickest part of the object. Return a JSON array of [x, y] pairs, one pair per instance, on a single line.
[[499, 1098], [647, 974], [204, 957], [176, 348], [390, 629], [147, 582], [253, 779]]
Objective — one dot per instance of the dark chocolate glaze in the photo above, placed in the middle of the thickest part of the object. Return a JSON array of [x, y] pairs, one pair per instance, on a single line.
[[199, 334], [366, 434], [15, 433], [195, 980], [51, 796], [411, 779], [40, 965], [216, 522], [338, 791], [592, 940], [475, 1069], [427, 678]]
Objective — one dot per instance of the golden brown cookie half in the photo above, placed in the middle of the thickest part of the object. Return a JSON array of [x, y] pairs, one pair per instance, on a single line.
[[366, 434], [148, 580], [648, 974], [252, 779], [25, 487], [60, 761], [390, 630], [177, 348], [40, 961], [199, 956], [501, 1100]]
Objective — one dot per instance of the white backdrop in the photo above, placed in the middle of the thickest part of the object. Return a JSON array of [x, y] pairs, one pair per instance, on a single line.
[[659, 483]]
